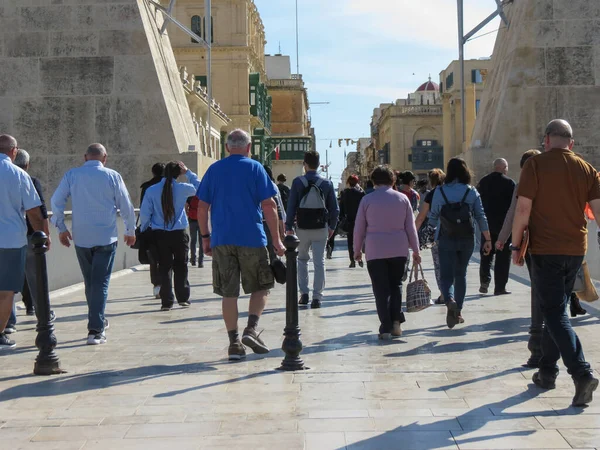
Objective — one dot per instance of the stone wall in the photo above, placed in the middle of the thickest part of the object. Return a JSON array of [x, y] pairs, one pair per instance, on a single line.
[[545, 66], [83, 71]]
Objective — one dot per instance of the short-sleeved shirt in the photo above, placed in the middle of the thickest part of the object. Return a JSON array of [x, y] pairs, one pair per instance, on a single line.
[[17, 195], [234, 188], [560, 184]]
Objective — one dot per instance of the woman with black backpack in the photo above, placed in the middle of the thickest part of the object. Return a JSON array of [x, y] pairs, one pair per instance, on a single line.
[[455, 207]]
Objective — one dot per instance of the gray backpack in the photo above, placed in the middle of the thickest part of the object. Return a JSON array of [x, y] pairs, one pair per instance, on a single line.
[[312, 212]]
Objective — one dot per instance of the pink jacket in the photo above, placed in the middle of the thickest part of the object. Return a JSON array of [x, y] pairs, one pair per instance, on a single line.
[[386, 225]]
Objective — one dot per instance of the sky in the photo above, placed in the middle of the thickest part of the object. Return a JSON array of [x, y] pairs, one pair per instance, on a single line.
[[356, 54]]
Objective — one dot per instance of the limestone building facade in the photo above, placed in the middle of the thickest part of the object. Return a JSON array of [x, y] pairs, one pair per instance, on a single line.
[[476, 71], [409, 134], [86, 71], [238, 58], [545, 66], [291, 129]]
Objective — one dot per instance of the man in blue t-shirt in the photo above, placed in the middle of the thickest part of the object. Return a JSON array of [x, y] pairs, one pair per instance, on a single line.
[[238, 191]]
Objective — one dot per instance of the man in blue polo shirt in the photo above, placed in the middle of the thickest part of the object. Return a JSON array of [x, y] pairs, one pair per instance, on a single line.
[[238, 191], [18, 197]]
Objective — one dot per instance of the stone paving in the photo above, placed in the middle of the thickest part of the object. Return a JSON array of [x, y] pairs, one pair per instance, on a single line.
[[163, 382]]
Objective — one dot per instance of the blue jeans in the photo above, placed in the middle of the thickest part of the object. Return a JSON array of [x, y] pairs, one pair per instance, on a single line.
[[554, 277], [454, 260], [96, 265], [12, 320]]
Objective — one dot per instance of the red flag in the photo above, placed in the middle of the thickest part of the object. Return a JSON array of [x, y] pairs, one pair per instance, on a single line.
[[277, 153]]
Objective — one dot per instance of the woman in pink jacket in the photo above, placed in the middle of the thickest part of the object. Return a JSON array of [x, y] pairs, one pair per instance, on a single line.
[[386, 225]]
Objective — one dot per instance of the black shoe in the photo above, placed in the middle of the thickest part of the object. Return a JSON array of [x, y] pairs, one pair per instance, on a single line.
[[200, 265], [544, 381], [361, 264], [329, 253], [5, 342], [503, 292], [584, 390], [252, 339], [451, 314], [352, 265], [533, 362], [31, 312], [316, 303], [236, 351], [193, 263], [483, 289], [440, 301], [575, 306], [303, 299]]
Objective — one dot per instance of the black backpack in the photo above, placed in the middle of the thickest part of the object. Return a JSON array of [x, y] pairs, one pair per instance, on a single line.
[[456, 220], [312, 212]]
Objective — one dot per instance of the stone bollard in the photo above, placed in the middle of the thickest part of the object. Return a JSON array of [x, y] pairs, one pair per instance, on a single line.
[[292, 346], [47, 362]]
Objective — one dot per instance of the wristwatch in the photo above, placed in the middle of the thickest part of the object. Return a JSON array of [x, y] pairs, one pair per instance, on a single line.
[[514, 249], [205, 236]]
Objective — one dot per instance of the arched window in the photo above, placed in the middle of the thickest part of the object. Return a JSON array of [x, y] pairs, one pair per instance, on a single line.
[[196, 27]]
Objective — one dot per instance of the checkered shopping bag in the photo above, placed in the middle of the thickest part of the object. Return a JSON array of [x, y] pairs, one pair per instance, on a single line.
[[418, 294]]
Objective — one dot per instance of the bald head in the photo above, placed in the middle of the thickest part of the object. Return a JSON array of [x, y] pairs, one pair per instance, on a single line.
[[96, 152], [559, 134], [8, 146], [501, 166]]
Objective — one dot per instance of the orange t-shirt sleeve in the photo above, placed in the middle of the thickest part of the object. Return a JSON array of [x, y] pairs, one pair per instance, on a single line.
[[594, 192], [528, 183]]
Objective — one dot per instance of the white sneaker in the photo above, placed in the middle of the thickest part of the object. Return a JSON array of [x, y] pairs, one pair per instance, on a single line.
[[156, 291], [96, 339]]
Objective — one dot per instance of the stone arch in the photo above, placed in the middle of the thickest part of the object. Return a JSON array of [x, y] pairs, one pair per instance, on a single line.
[[426, 134]]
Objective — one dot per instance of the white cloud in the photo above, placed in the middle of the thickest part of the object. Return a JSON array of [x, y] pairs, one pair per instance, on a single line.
[[430, 22]]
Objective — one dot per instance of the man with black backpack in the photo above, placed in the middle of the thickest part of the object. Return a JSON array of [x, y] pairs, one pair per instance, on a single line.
[[313, 208]]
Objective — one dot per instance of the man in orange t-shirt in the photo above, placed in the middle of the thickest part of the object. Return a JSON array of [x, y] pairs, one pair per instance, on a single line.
[[558, 243]]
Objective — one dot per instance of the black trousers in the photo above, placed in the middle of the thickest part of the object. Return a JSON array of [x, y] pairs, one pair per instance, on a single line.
[[501, 266], [152, 252], [351, 243], [386, 278], [26, 295], [173, 248]]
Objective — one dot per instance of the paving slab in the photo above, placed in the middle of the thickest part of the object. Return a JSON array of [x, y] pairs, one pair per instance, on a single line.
[[163, 381]]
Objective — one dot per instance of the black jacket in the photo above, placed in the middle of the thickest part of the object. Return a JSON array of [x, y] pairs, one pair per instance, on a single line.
[[349, 203], [496, 191], [146, 185]]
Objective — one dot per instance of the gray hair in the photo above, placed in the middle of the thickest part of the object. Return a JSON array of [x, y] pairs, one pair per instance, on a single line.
[[559, 128], [500, 164], [96, 151], [22, 159], [238, 139]]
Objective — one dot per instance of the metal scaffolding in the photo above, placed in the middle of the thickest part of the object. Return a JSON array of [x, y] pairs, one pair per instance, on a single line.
[[168, 18], [463, 39]]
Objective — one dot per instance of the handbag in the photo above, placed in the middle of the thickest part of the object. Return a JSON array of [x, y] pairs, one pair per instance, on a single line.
[[584, 286], [344, 225], [279, 270], [418, 293]]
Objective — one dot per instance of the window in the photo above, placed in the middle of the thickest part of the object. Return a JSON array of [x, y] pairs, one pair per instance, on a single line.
[[476, 77], [199, 27], [477, 105], [426, 143], [441, 88], [196, 27], [450, 81]]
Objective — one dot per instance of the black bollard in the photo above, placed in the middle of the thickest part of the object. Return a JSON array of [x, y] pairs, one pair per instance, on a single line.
[[47, 362], [292, 346]]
